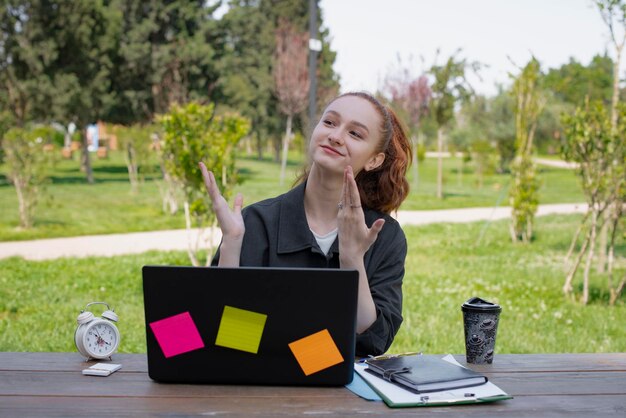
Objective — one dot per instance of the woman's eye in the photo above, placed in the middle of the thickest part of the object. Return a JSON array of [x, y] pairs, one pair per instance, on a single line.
[[356, 134], [328, 122]]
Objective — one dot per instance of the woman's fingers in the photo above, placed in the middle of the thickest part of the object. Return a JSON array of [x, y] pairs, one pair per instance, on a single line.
[[238, 203], [209, 182], [219, 203], [377, 226], [230, 221], [344, 202], [205, 176], [357, 237], [352, 198]]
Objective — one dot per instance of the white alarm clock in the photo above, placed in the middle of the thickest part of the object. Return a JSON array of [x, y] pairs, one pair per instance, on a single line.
[[97, 338]]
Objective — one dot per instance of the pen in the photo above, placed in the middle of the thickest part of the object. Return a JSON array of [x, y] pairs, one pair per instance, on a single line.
[[388, 356]]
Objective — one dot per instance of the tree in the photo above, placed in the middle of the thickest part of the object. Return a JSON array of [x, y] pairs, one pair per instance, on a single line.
[[137, 143], [471, 137], [166, 53], [410, 96], [448, 88], [193, 133], [502, 128], [291, 78], [591, 141], [525, 185], [327, 79], [56, 60], [27, 165], [567, 87], [573, 82], [613, 13], [246, 66], [6, 122]]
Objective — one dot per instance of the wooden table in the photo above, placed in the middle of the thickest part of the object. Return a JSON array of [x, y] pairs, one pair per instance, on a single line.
[[544, 385]]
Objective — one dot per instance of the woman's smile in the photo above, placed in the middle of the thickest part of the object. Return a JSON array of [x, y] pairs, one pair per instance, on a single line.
[[331, 150]]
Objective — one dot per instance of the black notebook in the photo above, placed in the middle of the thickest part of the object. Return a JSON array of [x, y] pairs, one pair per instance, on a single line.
[[420, 373]]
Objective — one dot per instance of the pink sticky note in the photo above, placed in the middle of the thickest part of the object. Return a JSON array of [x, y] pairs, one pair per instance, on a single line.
[[177, 334]]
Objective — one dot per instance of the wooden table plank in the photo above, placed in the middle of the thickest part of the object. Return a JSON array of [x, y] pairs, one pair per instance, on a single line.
[[546, 385], [502, 362], [600, 406], [66, 361], [551, 362], [139, 384]]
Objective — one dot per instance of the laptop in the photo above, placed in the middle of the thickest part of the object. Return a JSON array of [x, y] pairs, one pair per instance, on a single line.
[[248, 325]]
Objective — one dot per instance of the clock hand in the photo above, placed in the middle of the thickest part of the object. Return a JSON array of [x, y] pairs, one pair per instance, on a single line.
[[97, 333]]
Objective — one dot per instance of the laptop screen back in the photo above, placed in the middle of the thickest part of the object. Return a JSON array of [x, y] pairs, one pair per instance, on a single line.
[[248, 325]]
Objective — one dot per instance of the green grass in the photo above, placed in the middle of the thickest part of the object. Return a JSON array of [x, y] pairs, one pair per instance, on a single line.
[[72, 207], [464, 190], [76, 208], [446, 265]]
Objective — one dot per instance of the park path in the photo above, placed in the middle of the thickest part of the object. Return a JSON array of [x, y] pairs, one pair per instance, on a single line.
[[543, 161], [138, 242]]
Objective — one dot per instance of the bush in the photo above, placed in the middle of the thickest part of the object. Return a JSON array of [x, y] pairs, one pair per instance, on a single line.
[[27, 165]]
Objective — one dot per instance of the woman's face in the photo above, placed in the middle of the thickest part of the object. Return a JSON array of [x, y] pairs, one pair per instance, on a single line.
[[347, 134]]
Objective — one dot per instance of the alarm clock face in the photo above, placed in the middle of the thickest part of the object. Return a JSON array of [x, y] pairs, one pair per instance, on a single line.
[[101, 339]]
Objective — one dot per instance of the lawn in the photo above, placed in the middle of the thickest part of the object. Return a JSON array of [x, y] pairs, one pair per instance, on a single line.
[[73, 207], [446, 265]]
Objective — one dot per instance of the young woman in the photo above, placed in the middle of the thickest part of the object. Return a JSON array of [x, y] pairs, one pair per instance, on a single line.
[[338, 216]]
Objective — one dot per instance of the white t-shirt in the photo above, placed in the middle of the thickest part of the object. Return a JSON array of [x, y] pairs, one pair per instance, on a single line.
[[325, 241]]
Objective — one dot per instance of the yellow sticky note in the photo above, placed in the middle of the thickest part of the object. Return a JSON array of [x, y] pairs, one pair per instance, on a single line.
[[316, 352], [240, 329]]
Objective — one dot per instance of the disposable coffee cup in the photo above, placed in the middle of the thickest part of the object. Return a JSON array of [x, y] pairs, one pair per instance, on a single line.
[[480, 321]]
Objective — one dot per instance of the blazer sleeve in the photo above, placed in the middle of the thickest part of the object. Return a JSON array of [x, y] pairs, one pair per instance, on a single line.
[[385, 273], [254, 249]]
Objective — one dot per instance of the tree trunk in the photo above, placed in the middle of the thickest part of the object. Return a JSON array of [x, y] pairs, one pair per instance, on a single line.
[[567, 287], [575, 239], [512, 232], [248, 144], [133, 172], [615, 97], [25, 219], [259, 147], [615, 294], [440, 163], [170, 205], [283, 164], [602, 245], [86, 160], [590, 253]]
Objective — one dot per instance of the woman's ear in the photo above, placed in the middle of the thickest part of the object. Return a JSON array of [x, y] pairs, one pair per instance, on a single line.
[[375, 162]]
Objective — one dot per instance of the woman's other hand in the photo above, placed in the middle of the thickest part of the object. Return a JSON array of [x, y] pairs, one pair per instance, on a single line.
[[355, 238], [230, 221]]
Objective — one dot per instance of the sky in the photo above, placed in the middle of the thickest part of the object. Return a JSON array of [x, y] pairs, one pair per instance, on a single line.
[[370, 35]]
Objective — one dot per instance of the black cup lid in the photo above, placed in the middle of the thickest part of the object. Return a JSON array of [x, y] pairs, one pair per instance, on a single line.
[[478, 304]]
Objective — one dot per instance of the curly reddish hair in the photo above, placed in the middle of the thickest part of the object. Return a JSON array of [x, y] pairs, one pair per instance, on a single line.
[[385, 187]]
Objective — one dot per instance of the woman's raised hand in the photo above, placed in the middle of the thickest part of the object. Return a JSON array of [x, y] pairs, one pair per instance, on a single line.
[[231, 222], [355, 238]]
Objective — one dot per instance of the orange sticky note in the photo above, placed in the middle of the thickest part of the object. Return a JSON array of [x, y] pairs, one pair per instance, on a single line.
[[316, 352]]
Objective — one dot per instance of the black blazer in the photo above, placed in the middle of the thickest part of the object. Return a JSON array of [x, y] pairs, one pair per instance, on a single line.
[[278, 235]]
